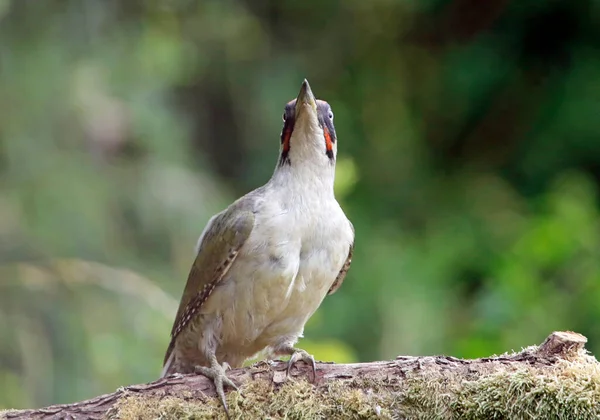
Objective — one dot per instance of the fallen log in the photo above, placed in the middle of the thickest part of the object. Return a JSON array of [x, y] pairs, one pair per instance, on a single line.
[[557, 379]]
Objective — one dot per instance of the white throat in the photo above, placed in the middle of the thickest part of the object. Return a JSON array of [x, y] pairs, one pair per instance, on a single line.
[[308, 167]]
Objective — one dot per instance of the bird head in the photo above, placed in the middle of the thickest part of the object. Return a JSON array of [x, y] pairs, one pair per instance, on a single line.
[[308, 135]]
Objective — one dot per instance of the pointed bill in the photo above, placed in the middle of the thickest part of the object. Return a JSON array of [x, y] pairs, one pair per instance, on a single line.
[[305, 100]]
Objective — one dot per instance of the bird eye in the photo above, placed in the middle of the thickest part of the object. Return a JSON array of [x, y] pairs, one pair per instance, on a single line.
[[330, 115]]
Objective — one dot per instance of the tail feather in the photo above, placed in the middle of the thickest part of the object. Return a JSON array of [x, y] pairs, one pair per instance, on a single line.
[[168, 365]]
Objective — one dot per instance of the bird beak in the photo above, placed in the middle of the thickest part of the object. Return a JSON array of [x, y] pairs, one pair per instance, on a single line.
[[305, 100]]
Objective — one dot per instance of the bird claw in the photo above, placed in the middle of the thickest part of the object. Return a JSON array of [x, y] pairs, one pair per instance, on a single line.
[[217, 373], [300, 354]]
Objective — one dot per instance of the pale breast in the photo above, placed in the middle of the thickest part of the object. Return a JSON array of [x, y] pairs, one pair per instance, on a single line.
[[323, 252], [280, 278]]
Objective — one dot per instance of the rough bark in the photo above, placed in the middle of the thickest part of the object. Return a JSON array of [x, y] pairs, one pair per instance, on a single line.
[[556, 378]]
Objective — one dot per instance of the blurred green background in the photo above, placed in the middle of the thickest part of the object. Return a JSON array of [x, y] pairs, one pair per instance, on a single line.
[[469, 163]]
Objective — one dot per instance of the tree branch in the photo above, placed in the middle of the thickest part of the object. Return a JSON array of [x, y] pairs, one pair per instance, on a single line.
[[557, 378]]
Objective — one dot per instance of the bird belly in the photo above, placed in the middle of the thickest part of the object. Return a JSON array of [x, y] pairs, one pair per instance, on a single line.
[[248, 300], [268, 305], [275, 285]]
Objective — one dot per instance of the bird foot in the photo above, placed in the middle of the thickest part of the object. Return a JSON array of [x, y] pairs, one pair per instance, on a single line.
[[299, 354], [217, 373]]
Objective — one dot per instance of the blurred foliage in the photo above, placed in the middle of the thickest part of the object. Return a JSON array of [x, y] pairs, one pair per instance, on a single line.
[[469, 163]]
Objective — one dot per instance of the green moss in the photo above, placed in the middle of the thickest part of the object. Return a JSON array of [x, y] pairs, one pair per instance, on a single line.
[[567, 390], [294, 400], [570, 389]]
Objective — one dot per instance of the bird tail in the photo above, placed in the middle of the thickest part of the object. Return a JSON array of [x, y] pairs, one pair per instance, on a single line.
[[167, 366]]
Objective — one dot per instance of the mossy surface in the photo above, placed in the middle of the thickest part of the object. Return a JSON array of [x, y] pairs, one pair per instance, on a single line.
[[294, 400], [567, 390], [502, 389]]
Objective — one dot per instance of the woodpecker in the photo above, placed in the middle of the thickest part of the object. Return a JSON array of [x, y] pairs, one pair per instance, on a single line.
[[264, 264]]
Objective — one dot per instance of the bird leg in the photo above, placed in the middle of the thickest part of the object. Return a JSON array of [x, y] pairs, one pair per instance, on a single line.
[[216, 372], [298, 354]]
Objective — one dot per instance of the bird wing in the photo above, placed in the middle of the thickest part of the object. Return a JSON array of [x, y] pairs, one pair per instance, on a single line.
[[342, 274], [218, 248]]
